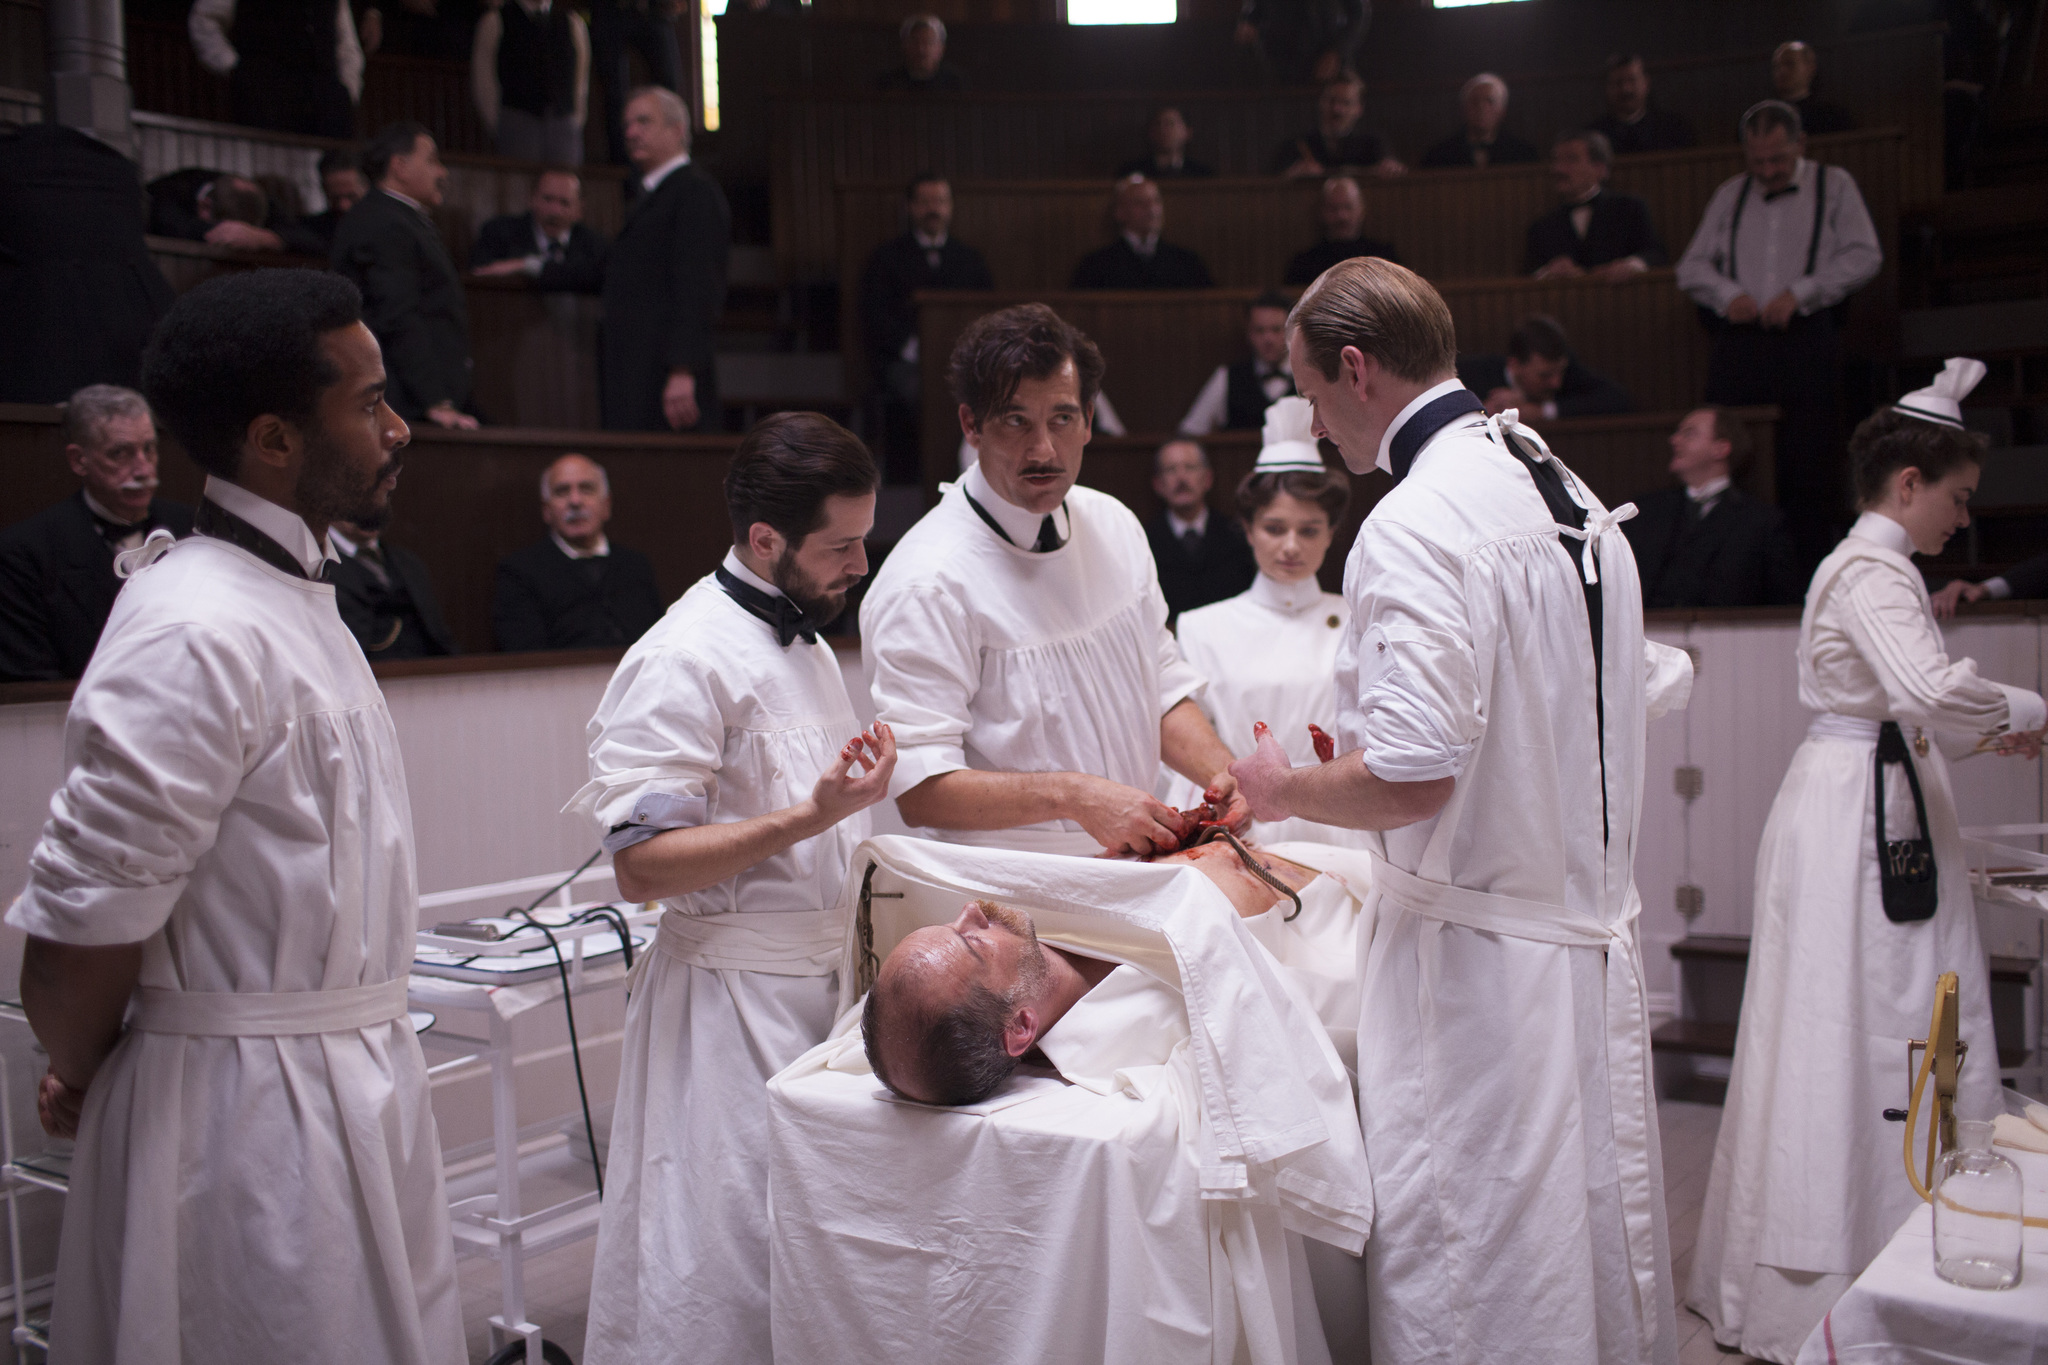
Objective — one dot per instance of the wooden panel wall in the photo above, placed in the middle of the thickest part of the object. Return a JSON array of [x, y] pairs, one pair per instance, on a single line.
[[1161, 346]]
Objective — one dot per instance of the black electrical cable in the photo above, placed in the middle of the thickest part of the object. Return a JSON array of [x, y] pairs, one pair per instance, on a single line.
[[569, 1009]]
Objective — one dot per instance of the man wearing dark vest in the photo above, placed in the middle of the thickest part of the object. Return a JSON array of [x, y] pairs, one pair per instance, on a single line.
[[1707, 543], [385, 595], [530, 66], [1237, 395], [1201, 557], [292, 65]]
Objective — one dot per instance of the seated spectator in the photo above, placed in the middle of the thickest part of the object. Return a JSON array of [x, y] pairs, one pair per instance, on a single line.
[[385, 596], [79, 291], [1793, 68], [1632, 124], [343, 182], [2027, 580], [1237, 395], [1541, 377], [1168, 159], [529, 71], [1481, 142], [1343, 213], [925, 255], [225, 210], [548, 242], [412, 296], [57, 580], [1202, 558], [1138, 259], [924, 70], [1593, 230], [1337, 141], [1708, 543], [574, 589], [295, 68]]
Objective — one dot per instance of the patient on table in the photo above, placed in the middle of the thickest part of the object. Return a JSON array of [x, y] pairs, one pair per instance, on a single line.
[[957, 1008]]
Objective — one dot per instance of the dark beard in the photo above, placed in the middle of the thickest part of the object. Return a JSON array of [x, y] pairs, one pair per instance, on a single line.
[[818, 606], [327, 492]]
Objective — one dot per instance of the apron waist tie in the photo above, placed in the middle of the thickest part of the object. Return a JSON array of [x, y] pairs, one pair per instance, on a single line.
[[267, 1014], [780, 942], [1829, 725]]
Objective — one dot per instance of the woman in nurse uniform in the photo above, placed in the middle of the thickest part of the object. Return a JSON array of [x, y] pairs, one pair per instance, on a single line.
[[1270, 653], [1807, 1184]]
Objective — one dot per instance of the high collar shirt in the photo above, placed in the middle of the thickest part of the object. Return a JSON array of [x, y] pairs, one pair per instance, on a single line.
[[983, 654], [1021, 526], [1144, 246], [651, 181], [1770, 252], [288, 529], [1200, 525], [1385, 460], [601, 550], [127, 542]]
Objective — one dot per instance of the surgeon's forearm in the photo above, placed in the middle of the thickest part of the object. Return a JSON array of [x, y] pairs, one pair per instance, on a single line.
[[970, 798], [1189, 745], [677, 862], [1346, 793], [75, 998]]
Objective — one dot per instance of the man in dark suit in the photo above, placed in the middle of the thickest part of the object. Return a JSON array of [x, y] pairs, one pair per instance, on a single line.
[[1168, 159], [1707, 543], [1340, 139], [924, 69], [1201, 557], [1343, 213], [1593, 230], [664, 282], [78, 289], [574, 589], [1481, 142], [226, 210], [548, 243], [1304, 41], [2026, 580], [1541, 378], [386, 596], [1793, 67], [1632, 124], [925, 256], [343, 182], [1138, 259], [412, 297], [57, 580]]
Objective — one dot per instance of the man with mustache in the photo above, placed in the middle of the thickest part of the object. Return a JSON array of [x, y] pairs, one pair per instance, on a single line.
[[1016, 640], [220, 914], [574, 589], [730, 781], [57, 580]]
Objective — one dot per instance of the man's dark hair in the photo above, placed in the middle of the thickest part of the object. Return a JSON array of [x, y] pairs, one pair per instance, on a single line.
[[239, 200], [1000, 350], [1889, 440], [340, 159], [1536, 336], [787, 466], [1765, 115], [240, 346], [396, 139], [923, 178], [1598, 149], [1617, 60], [1272, 298], [960, 1054], [1728, 427]]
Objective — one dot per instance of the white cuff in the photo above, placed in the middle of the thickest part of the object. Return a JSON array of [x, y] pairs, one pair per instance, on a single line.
[[918, 763], [2025, 710]]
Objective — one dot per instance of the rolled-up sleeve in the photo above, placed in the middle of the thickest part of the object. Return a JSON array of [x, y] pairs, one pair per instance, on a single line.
[[923, 660], [1419, 704], [1667, 679], [161, 731], [657, 744]]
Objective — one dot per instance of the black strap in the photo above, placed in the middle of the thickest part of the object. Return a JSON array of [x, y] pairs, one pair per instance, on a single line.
[[1820, 203], [784, 616], [1431, 418], [1907, 877], [216, 521], [1048, 533]]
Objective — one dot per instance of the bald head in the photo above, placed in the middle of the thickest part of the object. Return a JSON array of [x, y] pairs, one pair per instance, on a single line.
[[576, 500], [1343, 209], [956, 1006]]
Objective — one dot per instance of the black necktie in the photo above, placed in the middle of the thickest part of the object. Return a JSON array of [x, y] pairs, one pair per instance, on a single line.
[[1435, 415], [1191, 541], [1048, 534], [785, 616]]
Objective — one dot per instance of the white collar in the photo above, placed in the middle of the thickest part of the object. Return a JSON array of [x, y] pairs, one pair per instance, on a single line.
[[738, 569], [1289, 599], [604, 547], [93, 505], [1711, 489], [937, 243], [1144, 246], [1019, 525], [652, 180], [1882, 531], [543, 241], [1180, 528], [1585, 201], [405, 199], [288, 529], [344, 546], [1385, 461]]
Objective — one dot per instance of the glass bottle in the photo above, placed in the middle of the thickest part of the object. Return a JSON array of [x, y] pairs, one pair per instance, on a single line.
[[1977, 1213]]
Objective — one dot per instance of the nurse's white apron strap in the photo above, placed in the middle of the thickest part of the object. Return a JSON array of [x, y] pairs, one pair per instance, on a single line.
[[267, 1014], [780, 942], [1629, 1086], [1599, 521]]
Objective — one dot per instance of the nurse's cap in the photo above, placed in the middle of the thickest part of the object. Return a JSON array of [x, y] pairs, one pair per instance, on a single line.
[[1942, 401], [1289, 441]]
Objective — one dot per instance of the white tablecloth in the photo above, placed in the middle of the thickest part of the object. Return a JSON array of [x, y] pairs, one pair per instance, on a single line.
[[1899, 1312]]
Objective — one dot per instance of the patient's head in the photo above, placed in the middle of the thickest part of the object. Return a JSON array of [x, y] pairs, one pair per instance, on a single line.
[[955, 1006]]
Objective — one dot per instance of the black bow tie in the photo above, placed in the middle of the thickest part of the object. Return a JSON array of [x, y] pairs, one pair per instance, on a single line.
[[115, 532], [1433, 417], [785, 616], [1770, 195]]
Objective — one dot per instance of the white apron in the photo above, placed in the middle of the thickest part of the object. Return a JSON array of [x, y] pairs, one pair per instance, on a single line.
[[1808, 1184], [706, 710], [258, 1175]]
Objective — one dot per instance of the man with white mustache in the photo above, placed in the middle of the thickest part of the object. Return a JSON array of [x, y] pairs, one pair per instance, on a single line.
[[57, 580]]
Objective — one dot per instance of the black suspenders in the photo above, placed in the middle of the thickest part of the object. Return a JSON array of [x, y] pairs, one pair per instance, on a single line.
[[1820, 205]]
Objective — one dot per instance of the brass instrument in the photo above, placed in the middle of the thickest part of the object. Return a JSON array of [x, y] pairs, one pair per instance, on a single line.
[[1941, 1056]]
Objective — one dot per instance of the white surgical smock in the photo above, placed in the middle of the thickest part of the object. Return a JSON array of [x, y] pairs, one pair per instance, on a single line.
[[1269, 654], [1807, 1185], [985, 655], [235, 801], [708, 720], [1503, 1068]]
